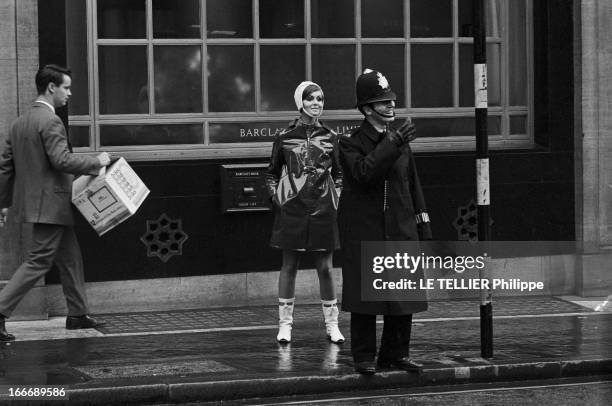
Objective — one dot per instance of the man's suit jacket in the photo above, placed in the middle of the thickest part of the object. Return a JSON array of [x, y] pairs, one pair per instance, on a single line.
[[37, 168]]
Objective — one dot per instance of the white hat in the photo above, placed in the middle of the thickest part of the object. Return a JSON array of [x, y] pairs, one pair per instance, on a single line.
[[299, 91]]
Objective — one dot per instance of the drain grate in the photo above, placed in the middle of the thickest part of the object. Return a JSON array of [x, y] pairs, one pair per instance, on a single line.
[[155, 369]]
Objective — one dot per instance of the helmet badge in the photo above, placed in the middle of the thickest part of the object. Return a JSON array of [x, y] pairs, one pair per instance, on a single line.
[[382, 81]]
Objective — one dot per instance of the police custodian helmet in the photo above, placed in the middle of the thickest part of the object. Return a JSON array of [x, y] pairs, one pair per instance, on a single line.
[[372, 86]]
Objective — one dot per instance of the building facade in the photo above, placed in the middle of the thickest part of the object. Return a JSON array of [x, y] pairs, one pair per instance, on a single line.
[[192, 92]]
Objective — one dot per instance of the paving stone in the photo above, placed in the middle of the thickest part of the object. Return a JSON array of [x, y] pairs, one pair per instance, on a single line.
[[262, 316]]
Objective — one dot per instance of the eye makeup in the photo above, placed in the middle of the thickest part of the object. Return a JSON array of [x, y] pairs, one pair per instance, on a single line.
[[311, 98]]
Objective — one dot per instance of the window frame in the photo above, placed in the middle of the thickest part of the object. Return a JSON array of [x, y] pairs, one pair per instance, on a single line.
[[94, 120]]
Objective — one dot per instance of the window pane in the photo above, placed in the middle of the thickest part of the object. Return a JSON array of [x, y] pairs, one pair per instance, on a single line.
[[333, 19], [454, 127], [281, 18], [493, 74], [79, 136], [231, 85], [76, 55], [492, 15], [388, 59], [178, 79], [518, 124], [176, 19], [333, 68], [229, 19], [380, 19], [431, 18], [121, 19], [517, 45], [261, 131], [123, 79], [466, 75], [123, 135], [432, 75], [282, 69]]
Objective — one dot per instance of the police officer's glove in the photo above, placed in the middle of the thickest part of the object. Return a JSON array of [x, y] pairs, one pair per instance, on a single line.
[[403, 135]]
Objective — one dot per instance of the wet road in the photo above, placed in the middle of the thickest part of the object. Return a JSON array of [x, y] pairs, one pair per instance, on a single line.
[[596, 393]]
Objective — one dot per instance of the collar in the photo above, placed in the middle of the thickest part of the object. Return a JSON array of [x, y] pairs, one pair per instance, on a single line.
[[317, 123], [46, 104], [371, 132]]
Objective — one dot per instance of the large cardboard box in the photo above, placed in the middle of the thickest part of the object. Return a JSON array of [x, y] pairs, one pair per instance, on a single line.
[[109, 198]]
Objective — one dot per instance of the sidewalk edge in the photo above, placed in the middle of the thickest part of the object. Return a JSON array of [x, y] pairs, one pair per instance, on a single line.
[[286, 386]]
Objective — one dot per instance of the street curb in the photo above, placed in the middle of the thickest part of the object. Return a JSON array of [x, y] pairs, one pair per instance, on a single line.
[[300, 385], [118, 395]]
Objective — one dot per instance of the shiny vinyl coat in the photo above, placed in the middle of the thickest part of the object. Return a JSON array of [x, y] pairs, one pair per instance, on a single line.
[[302, 180], [369, 161]]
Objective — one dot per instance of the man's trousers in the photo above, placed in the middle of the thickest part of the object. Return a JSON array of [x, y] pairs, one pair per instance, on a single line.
[[394, 343], [51, 244]]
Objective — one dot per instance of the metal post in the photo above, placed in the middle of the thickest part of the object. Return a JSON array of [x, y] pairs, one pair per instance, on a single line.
[[482, 168]]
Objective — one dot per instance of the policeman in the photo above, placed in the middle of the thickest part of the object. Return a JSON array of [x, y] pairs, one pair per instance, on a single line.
[[382, 200]]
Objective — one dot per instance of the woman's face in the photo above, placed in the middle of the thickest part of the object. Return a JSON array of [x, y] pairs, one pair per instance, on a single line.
[[313, 104]]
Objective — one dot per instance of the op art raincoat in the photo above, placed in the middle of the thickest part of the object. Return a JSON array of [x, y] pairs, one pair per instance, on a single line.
[[303, 180]]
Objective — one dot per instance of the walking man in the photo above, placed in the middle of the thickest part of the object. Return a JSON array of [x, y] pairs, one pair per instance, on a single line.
[[382, 200], [36, 173]]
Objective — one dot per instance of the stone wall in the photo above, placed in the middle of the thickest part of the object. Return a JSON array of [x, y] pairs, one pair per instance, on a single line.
[[595, 178], [18, 65]]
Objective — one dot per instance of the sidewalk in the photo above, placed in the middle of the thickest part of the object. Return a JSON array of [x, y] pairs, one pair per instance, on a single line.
[[224, 354]]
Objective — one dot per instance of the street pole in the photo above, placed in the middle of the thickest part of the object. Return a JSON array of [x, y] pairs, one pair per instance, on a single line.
[[482, 169]]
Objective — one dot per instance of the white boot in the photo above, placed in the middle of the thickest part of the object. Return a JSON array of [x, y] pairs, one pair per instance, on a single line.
[[285, 320], [331, 312]]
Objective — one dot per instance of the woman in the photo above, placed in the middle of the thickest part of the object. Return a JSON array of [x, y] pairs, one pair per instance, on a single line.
[[302, 178]]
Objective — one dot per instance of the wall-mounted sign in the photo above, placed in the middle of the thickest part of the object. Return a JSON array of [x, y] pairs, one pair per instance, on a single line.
[[261, 131], [243, 188], [264, 131]]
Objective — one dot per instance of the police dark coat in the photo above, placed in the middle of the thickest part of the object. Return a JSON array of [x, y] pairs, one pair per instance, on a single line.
[[302, 178], [370, 164]]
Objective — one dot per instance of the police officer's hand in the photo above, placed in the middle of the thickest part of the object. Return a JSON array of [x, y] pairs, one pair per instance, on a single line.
[[404, 134], [3, 214]]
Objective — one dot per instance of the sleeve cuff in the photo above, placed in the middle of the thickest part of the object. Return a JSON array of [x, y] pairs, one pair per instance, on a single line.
[[422, 217]]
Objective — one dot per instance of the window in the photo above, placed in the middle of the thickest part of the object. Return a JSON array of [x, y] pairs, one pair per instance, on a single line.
[[173, 79]]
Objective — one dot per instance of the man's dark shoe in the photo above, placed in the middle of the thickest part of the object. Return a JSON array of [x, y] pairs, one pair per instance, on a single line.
[[404, 363], [4, 335], [78, 322], [365, 367]]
